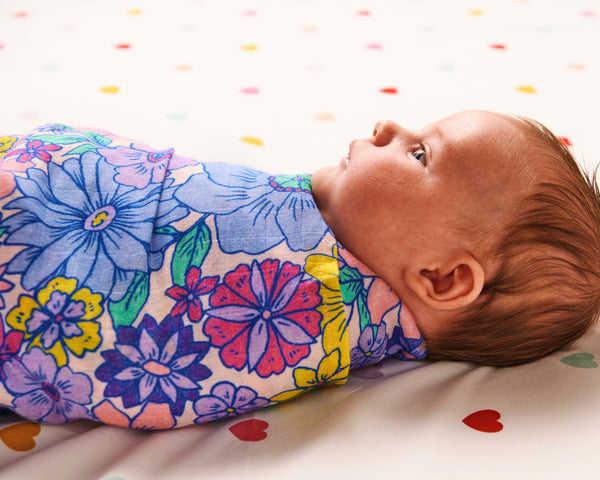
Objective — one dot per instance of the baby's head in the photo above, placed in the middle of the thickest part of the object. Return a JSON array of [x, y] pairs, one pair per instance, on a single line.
[[484, 226]]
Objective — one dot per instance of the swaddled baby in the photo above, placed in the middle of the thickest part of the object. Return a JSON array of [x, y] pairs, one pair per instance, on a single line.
[[148, 290]]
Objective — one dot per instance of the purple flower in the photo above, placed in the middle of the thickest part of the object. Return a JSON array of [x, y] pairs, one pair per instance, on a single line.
[[371, 346], [45, 393], [225, 400], [139, 165], [406, 348], [155, 363]]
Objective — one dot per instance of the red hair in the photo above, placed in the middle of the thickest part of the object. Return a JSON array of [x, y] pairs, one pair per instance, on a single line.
[[546, 291]]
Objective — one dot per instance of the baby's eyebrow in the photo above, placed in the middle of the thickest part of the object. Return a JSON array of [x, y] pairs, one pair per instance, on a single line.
[[436, 132]]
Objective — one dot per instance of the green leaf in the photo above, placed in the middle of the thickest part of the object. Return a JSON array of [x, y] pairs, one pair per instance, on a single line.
[[97, 138], [167, 230], [351, 283], [190, 251], [83, 148], [125, 311], [365, 315], [59, 139]]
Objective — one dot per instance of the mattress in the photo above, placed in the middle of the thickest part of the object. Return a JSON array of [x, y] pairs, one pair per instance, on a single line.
[[284, 86]]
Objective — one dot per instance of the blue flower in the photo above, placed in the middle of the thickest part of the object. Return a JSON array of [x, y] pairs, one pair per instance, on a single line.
[[371, 347], [155, 364], [254, 210], [77, 221], [225, 400], [406, 348]]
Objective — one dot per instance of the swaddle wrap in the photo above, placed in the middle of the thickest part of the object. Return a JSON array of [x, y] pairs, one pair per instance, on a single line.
[[148, 290]]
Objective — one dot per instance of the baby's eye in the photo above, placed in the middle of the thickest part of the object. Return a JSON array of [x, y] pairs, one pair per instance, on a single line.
[[420, 155]]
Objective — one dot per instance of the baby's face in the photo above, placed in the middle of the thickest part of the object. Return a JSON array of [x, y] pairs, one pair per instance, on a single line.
[[402, 198]]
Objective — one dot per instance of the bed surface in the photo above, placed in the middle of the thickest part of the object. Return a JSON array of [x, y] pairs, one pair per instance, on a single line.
[[284, 86]]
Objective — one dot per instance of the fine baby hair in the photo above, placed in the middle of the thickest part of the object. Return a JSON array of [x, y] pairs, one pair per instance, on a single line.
[[545, 293]]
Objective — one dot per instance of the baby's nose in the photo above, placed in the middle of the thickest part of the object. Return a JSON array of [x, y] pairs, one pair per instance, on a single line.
[[384, 132]]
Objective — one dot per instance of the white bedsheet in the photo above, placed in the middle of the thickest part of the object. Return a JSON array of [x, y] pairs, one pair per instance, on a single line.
[[284, 86]]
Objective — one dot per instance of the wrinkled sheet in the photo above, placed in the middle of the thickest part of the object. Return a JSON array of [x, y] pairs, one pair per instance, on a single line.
[[284, 86]]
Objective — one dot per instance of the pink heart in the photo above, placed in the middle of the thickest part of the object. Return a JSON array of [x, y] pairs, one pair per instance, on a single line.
[[374, 46], [250, 90], [250, 430]]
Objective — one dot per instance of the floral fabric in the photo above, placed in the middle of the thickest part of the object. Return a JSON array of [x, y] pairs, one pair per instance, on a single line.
[[147, 290]]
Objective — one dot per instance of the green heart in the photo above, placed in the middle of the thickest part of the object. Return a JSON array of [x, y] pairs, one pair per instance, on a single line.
[[580, 360]]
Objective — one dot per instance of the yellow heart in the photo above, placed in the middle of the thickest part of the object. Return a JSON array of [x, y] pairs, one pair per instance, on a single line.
[[527, 89], [110, 89], [252, 141], [476, 13], [136, 11], [19, 437], [249, 47]]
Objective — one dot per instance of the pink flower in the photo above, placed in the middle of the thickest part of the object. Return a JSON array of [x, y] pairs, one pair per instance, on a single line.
[[188, 297], [140, 165], [34, 149]]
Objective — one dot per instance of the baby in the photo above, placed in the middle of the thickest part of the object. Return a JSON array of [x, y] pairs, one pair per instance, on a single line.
[[147, 290]]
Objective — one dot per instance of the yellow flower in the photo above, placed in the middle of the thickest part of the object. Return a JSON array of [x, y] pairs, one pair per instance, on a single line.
[[333, 324], [5, 144], [59, 317], [329, 372]]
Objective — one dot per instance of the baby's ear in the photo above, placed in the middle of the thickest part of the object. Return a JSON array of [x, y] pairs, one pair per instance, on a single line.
[[450, 286]]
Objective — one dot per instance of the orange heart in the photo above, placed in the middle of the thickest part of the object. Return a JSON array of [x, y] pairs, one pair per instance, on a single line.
[[19, 437], [484, 421]]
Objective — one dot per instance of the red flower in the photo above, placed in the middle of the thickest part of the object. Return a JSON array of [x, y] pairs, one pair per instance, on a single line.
[[188, 298], [264, 317], [34, 149], [9, 346], [5, 285]]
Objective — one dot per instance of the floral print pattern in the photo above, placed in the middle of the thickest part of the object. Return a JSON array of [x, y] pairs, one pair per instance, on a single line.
[[189, 297], [151, 291], [75, 213], [60, 317], [225, 400], [264, 317], [45, 393], [154, 364], [139, 165], [253, 202], [33, 149], [371, 347]]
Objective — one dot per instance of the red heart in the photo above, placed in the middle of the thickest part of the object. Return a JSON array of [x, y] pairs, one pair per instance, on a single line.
[[389, 90], [498, 46], [123, 46], [566, 141], [250, 430], [484, 421]]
